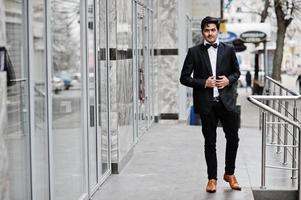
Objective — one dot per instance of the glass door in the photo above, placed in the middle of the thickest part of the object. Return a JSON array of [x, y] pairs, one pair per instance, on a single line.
[[91, 88], [38, 108], [102, 86], [97, 84], [17, 135], [67, 100], [102, 96]]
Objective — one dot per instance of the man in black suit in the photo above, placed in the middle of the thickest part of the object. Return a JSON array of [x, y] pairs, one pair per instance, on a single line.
[[215, 71]]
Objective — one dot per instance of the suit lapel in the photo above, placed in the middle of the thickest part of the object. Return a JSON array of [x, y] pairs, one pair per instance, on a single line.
[[220, 53], [205, 56]]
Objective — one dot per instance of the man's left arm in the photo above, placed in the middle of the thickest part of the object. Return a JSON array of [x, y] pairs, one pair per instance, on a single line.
[[234, 76], [223, 80]]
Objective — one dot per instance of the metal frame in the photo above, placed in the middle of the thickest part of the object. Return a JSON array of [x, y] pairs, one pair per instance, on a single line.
[[152, 64], [150, 75], [148, 56], [146, 66], [27, 116], [84, 91], [142, 39], [31, 86], [96, 93], [100, 177], [49, 109], [135, 74], [48, 56], [136, 71], [270, 110], [108, 83], [148, 50]]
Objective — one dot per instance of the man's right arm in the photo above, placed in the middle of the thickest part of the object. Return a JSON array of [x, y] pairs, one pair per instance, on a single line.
[[187, 70]]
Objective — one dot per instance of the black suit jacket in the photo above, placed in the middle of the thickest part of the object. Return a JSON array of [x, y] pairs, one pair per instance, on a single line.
[[197, 62]]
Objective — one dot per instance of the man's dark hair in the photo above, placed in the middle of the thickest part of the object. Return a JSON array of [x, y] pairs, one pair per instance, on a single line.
[[210, 20]]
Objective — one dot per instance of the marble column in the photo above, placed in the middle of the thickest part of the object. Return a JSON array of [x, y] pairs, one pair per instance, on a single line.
[[156, 60], [167, 69], [3, 151]]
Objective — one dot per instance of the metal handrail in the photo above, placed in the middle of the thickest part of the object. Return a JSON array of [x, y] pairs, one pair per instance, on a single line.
[[296, 124], [275, 97], [281, 86], [254, 99], [288, 131], [285, 109], [271, 115]]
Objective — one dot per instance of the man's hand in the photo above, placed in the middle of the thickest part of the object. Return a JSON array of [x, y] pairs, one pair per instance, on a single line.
[[222, 82], [210, 82]]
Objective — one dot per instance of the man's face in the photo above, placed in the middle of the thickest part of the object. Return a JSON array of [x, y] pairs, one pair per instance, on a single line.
[[210, 33]]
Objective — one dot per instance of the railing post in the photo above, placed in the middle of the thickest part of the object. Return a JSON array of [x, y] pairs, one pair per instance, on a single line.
[[299, 163], [285, 135], [267, 120], [273, 117], [294, 164], [263, 148], [279, 125]]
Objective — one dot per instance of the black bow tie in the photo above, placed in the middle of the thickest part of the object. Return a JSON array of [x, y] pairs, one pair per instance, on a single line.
[[208, 45]]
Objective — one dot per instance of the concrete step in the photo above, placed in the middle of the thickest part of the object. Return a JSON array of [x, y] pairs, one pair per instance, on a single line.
[[266, 194]]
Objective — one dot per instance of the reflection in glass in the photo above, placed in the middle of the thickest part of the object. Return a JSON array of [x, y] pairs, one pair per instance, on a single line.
[[39, 135], [151, 67], [92, 95], [124, 77], [103, 150], [17, 135], [142, 118], [67, 95]]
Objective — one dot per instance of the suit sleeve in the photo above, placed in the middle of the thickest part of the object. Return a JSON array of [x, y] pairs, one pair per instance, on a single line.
[[234, 76], [187, 70]]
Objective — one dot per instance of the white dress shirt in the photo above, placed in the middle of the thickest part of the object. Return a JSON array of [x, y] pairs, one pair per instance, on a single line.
[[212, 52]]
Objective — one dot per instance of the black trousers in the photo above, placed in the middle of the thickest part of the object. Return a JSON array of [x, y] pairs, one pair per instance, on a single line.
[[229, 121]]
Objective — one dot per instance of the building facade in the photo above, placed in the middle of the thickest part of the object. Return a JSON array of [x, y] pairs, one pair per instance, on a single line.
[[91, 78], [82, 95]]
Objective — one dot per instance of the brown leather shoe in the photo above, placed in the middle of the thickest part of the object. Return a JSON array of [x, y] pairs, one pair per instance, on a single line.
[[211, 186], [231, 179]]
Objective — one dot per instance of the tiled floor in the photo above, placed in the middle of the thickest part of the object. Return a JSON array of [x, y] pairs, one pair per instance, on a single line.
[[168, 164]]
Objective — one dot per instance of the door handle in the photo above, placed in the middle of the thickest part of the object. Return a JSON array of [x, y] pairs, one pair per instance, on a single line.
[[91, 116]]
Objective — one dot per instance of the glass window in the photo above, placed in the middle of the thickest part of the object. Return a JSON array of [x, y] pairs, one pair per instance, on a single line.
[[39, 134], [103, 104], [141, 37], [17, 135], [67, 95], [124, 77], [92, 135]]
